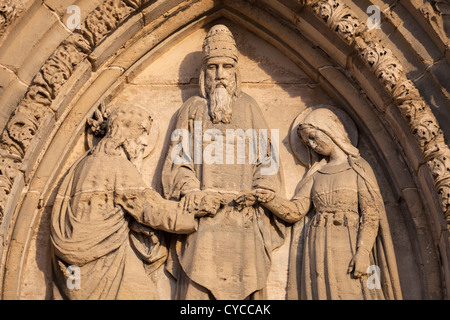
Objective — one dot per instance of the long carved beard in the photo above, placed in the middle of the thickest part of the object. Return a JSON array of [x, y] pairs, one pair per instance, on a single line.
[[220, 101]]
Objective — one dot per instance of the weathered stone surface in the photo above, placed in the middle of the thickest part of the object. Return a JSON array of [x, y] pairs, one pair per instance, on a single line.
[[56, 93], [42, 30]]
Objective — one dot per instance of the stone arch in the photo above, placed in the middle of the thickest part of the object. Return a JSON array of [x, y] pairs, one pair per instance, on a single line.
[[90, 66]]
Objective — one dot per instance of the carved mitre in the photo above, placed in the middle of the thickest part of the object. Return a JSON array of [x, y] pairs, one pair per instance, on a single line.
[[219, 42]]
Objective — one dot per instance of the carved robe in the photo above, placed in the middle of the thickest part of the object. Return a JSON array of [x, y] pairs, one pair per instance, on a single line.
[[347, 211], [230, 254], [100, 198]]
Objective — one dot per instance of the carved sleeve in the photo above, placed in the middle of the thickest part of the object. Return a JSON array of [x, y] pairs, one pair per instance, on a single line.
[[186, 181], [179, 179], [183, 180], [294, 210], [370, 204], [149, 208]]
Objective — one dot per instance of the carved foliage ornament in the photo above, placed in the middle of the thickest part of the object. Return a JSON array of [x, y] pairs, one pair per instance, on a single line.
[[8, 12], [405, 95], [98, 122], [28, 116], [338, 17]]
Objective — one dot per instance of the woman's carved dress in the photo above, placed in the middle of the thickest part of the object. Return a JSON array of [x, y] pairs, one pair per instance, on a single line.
[[347, 207]]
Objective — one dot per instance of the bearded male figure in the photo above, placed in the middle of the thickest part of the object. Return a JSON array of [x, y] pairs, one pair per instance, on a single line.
[[229, 257]]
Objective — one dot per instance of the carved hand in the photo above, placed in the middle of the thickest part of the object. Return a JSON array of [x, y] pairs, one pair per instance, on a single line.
[[359, 263], [209, 205], [246, 199], [202, 203], [264, 195]]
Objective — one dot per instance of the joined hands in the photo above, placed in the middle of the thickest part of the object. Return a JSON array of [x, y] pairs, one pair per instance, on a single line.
[[202, 203], [248, 199]]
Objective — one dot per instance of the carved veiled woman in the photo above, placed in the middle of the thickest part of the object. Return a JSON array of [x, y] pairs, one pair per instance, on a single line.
[[346, 230]]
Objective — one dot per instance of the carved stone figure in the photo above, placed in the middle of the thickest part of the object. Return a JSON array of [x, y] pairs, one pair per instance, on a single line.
[[229, 256], [345, 236], [106, 223]]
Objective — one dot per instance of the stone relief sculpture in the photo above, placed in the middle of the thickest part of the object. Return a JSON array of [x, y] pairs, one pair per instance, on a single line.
[[229, 257], [343, 228], [35, 106], [25, 138], [107, 223]]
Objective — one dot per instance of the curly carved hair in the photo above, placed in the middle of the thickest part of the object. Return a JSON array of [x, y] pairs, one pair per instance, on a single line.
[[124, 122]]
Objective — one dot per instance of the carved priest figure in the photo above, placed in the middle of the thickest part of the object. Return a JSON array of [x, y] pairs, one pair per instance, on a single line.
[[346, 237], [106, 221], [229, 257]]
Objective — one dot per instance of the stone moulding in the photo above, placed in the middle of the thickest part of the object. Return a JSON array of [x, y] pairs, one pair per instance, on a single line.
[[338, 17], [36, 104], [26, 119], [389, 71]]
